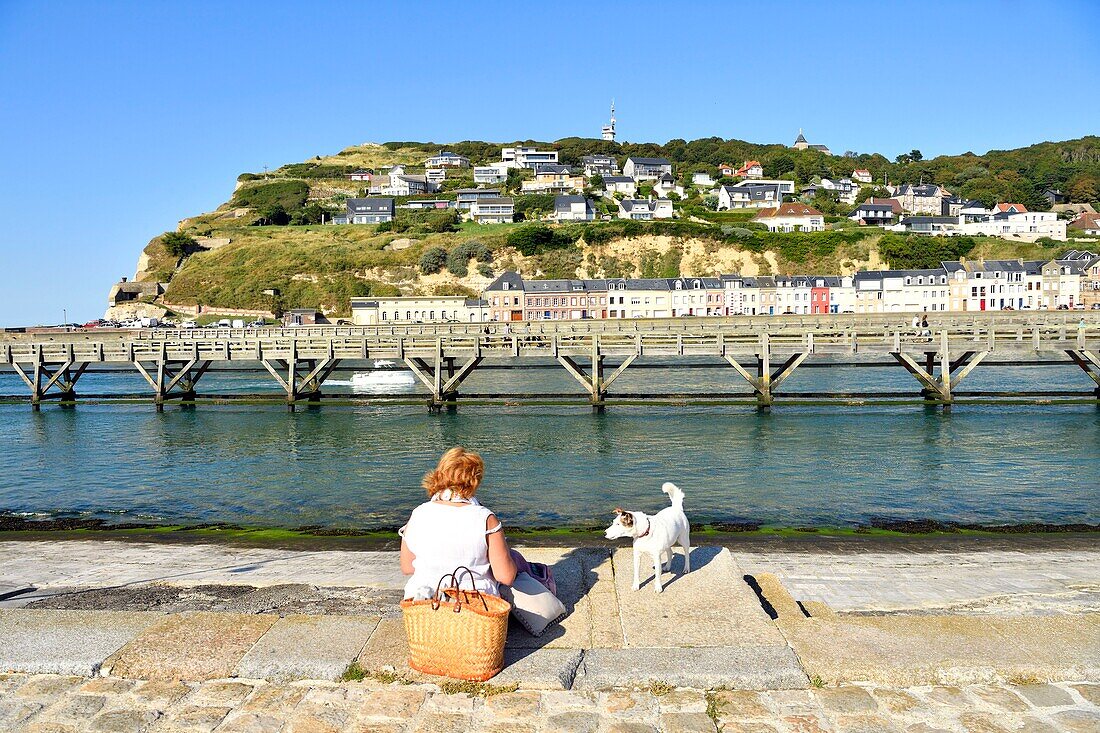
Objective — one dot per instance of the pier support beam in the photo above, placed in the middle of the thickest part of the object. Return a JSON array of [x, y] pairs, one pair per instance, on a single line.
[[442, 378], [166, 375], [1089, 361], [594, 381], [300, 378], [61, 377], [938, 389], [765, 382]]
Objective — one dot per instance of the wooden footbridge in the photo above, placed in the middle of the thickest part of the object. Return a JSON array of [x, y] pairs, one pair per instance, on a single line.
[[764, 350]]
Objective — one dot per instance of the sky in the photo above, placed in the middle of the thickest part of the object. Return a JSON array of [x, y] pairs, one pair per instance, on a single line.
[[119, 119]]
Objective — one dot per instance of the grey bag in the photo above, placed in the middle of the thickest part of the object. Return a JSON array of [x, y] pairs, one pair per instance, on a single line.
[[533, 605]]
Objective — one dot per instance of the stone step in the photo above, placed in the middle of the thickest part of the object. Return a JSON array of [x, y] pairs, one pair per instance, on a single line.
[[712, 606], [66, 642]]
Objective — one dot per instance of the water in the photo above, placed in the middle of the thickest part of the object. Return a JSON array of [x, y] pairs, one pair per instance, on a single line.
[[360, 466]]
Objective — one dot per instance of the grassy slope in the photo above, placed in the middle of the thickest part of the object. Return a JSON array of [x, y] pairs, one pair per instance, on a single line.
[[324, 266]]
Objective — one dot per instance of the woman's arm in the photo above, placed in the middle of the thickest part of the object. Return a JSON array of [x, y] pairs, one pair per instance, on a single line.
[[500, 557], [406, 559]]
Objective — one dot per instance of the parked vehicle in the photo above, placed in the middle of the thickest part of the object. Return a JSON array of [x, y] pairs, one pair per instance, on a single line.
[[225, 323], [189, 324]]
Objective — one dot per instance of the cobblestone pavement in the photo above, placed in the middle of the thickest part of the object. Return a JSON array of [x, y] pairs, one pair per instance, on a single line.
[[57, 704]]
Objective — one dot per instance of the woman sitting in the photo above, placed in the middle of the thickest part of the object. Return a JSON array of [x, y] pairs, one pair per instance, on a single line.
[[453, 529]]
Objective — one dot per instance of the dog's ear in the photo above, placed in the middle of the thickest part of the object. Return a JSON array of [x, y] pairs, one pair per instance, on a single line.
[[627, 518], [618, 511]]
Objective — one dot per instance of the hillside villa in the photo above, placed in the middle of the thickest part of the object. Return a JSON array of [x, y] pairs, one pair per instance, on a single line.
[[791, 217]]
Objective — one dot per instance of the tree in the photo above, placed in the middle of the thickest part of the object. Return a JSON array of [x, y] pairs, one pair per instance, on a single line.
[[274, 215], [1083, 188], [596, 182], [915, 155], [867, 192], [179, 244], [433, 260]]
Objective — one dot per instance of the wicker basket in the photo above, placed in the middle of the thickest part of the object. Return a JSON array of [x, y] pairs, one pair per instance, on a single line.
[[458, 633]]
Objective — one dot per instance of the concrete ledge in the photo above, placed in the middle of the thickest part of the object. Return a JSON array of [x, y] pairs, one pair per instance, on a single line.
[[926, 649], [66, 642], [742, 667], [307, 648], [545, 669]]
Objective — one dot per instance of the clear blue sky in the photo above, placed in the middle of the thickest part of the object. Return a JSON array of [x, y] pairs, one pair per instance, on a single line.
[[119, 119]]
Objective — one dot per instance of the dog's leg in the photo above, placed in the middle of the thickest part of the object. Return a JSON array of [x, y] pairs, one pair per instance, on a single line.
[[685, 542], [666, 560], [637, 582], [657, 571]]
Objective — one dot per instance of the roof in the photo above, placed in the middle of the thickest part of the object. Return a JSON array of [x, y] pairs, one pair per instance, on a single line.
[[911, 220], [370, 206], [597, 158], [479, 192], [788, 209], [861, 170], [649, 205], [552, 168], [618, 179], [495, 200], [924, 190], [1010, 209], [565, 203], [868, 206], [1086, 221], [649, 161], [894, 204], [749, 164], [512, 279], [800, 139]]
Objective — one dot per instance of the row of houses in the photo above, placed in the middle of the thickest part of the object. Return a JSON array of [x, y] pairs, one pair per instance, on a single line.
[[1071, 281]]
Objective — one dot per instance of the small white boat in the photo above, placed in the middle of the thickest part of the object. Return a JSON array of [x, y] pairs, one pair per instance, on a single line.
[[384, 377]]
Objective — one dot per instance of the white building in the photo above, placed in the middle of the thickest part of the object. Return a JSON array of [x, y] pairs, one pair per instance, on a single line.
[[526, 157], [418, 309], [496, 173], [646, 169], [447, 159], [791, 218], [625, 185], [1023, 225], [573, 208], [493, 210], [755, 196], [645, 209]]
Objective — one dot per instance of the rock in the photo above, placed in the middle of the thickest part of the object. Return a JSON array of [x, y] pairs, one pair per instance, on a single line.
[[1045, 696]]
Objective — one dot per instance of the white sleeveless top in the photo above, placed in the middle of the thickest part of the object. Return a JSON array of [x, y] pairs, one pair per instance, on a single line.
[[443, 537]]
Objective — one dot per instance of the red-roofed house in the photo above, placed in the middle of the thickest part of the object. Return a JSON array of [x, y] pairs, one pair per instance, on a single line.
[[862, 175], [726, 170], [1010, 209], [1087, 223], [751, 169], [792, 217]]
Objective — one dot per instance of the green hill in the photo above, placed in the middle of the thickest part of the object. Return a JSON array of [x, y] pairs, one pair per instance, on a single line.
[[270, 233]]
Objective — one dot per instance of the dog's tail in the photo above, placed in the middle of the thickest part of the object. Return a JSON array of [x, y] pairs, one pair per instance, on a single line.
[[675, 495]]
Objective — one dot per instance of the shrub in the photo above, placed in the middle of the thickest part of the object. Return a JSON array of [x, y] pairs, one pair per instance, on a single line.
[[291, 195], [537, 238], [484, 270], [179, 244], [459, 258], [433, 260]]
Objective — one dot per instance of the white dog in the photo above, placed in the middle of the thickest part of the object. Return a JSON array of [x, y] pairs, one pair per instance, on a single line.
[[656, 535]]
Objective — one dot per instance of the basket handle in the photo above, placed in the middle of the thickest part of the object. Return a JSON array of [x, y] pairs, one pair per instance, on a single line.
[[456, 581]]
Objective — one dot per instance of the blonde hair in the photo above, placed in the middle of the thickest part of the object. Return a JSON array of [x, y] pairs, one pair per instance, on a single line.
[[459, 470]]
